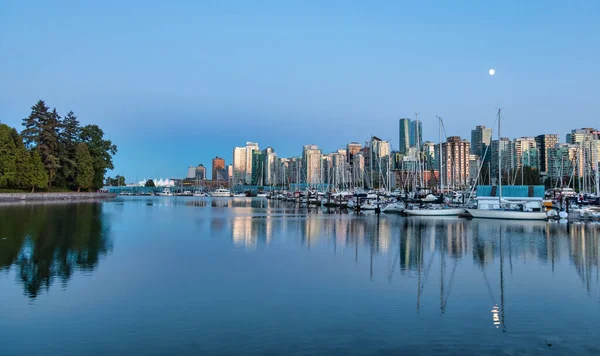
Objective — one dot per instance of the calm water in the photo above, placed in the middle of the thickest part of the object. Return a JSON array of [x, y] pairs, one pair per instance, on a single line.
[[198, 276]]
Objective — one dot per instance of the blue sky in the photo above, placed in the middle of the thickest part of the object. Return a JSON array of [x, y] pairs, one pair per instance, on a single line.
[[175, 84]]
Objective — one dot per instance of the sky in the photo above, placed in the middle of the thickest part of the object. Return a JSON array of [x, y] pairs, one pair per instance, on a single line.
[[175, 84]]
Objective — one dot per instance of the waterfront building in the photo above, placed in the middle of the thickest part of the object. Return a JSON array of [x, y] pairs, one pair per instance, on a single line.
[[481, 138], [351, 149], [562, 161], [242, 163], [200, 172], [475, 162], [524, 149], [312, 165], [456, 158], [358, 170], [588, 143], [378, 161], [430, 155], [218, 164], [191, 172], [229, 172], [544, 143], [410, 134], [505, 148]]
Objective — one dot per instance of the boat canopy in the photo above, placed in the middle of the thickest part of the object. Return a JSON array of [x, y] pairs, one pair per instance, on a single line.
[[513, 191]]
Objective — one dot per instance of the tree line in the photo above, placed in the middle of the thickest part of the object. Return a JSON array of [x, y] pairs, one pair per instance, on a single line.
[[54, 152]]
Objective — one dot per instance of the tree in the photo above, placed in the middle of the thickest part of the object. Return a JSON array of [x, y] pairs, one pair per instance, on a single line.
[[37, 178], [69, 136], [84, 177], [150, 183], [22, 162], [8, 165], [33, 124], [101, 151]]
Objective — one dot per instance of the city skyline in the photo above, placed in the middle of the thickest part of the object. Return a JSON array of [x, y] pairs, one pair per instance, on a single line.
[[295, 73]]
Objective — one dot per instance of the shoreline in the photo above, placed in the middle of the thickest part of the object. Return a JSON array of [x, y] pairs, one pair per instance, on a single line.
[[40, 197]]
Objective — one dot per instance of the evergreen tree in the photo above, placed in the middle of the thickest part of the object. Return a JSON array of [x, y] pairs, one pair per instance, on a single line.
[[150, 183], [85, 167], [48, 145], [69, 136], [8, 166], [38, 178], [101, 151], [22, 161], [33, 124]]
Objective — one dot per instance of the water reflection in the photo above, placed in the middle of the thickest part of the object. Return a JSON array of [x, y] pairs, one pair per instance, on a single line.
[[432, 251], [48, 243]]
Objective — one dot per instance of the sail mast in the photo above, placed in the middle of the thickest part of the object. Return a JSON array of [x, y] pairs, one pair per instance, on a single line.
[[440, 155], [499, 162]]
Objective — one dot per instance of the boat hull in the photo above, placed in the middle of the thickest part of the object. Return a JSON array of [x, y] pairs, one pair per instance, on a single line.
[[506, 214], [435, 212]]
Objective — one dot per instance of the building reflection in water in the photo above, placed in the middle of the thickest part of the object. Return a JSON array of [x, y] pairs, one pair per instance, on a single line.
[[433, 250]]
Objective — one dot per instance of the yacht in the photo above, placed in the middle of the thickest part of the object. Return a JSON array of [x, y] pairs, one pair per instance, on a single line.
[[220, 192], [200, 194], [261, 195], [165, 193]]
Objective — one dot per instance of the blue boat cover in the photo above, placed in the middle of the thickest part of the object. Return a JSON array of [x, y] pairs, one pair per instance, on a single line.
[[512, 191]]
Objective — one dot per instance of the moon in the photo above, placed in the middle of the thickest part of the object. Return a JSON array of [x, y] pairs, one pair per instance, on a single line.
[[492, 71]]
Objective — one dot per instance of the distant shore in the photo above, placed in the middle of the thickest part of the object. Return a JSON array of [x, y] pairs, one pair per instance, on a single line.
[[69, 196]]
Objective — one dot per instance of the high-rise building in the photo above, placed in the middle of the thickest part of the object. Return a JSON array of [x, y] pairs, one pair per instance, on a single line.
[[562, 161], [191, 173], [378, 162], [523, 149], [242, 163], [351, 149], [410, 134], [311, 164], [218, 163], [504, 148], [430, 158], [456, 158], [481, 138], [544, 144], [200, 172], [270, 166]]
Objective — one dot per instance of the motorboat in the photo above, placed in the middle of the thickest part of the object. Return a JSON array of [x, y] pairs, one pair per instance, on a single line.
[[220, 193], [165, 193]]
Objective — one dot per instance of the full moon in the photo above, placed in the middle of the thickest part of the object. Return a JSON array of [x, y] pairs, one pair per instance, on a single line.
[[492, 71]]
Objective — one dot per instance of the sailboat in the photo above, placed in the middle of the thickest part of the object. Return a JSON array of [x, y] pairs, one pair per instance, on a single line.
[[436, 210], [521, 209]]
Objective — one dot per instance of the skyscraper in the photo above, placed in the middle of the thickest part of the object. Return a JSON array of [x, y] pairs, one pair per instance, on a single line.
[[410, 134], [218, 164], [481, 137], [311, 164], [523, 149], [242, 163], [504, 148], [456, 158], [544, 144], [200, 172], [351, 149]]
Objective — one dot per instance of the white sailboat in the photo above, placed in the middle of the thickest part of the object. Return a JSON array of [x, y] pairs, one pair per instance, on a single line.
[[526, 209], [436, 210]]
